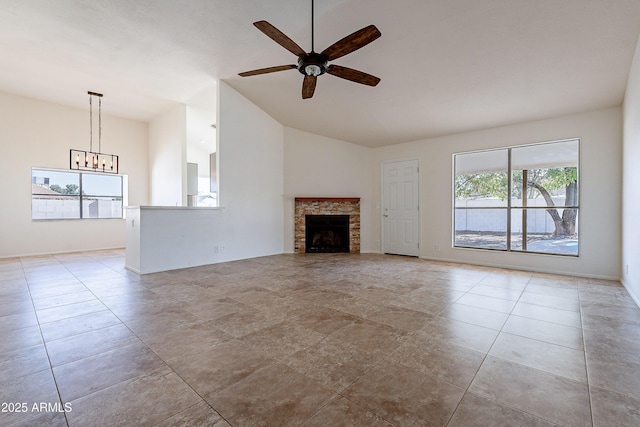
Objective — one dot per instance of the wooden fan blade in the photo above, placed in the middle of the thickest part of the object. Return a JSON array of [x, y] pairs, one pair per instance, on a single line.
[[352, 42], [279, 37], [353, 75], [267, 70], [308, 86]]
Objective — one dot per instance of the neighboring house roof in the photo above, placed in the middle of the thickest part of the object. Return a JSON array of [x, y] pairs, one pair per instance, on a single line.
[[44, 191]]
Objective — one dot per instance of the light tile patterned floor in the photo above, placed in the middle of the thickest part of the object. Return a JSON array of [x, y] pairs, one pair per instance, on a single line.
[[312, 340]]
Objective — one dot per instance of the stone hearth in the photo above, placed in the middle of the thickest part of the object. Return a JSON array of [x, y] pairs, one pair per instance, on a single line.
[[327, 206]]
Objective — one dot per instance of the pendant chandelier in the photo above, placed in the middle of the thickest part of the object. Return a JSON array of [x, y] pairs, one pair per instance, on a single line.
[[95, 161]]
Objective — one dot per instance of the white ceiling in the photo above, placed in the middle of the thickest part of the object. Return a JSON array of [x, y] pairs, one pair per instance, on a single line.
[[447, 66]]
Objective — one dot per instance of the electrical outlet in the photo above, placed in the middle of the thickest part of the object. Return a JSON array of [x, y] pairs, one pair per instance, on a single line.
[[216, 249], [627, 273], [437, 248], [222, 249]]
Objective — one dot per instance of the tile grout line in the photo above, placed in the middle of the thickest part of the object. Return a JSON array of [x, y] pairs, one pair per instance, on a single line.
[[586, 365], [412, 333], [378, 363], [338, 394], [106, 309], [150, 349], [483, 361], [143, 342], [44, 344]]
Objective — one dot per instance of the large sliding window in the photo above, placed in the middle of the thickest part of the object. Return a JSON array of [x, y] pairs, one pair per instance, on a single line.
[[57, 194], [521, 198]]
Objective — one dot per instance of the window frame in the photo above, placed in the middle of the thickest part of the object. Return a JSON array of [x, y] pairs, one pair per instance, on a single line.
[[509, 209], [80, 197]]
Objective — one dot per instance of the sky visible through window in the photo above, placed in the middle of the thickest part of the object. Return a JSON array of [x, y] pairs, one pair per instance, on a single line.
[[92, 184]]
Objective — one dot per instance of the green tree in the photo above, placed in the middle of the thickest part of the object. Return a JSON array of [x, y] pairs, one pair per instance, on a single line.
[[56, 188], [544, 183], [71, 189]]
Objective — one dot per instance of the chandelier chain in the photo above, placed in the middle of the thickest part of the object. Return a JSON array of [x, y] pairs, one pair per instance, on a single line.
[[100, 162], [90, 123]]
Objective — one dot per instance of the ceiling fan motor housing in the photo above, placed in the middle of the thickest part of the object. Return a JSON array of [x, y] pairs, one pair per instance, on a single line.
[[313, 64]]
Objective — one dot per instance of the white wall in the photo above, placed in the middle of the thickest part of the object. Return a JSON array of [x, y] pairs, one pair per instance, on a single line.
[[600, 195], [324, 167], [250, 148], [35, 133], [631, 182], [168, 238], [168, 158], [258, 200]]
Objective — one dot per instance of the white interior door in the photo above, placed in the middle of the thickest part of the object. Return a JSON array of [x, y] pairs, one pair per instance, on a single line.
[[401, 208]]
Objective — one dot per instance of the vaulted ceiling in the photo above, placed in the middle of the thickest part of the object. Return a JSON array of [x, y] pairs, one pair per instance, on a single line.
[[447, 66]]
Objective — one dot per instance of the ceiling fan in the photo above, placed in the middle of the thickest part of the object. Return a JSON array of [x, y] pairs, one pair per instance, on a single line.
[[312, 64]]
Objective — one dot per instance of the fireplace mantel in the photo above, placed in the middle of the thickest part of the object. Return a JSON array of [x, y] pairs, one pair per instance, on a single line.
[[327, 199], [326, 206]]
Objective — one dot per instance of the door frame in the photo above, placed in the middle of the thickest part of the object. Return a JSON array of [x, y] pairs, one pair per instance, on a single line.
[[382, 227]]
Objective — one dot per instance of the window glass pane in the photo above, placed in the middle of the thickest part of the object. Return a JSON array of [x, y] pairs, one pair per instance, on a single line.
[[102, 196], [541, 204], [101, 185], [547, 155], [544, 231], [101, 207], [54, 182], [54, 194], [55, 207], [481, 228], [551, 172], [481, 179], [545, 187]]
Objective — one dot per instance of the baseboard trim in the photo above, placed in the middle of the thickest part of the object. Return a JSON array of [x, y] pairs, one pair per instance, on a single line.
[[533, 270], [631, 294], [71, 251]]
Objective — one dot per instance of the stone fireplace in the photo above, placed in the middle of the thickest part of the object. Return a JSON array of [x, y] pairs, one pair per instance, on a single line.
[[329, 216]]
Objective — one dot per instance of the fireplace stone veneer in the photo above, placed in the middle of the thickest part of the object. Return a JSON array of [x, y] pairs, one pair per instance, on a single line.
[[327, 206]]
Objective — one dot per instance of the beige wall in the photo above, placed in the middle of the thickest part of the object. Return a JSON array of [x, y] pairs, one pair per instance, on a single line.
[[168, 158], [250, 146], [39, 134], [324, 167], [631, 182], [288, 163], [600, 196]]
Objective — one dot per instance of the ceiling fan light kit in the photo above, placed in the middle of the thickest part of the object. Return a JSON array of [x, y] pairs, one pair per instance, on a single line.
[[312, 64]]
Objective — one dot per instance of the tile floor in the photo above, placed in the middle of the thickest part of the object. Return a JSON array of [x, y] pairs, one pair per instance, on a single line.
[[318, 340]]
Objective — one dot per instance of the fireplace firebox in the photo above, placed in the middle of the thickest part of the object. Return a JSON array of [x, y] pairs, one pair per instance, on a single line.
[[327, 233]]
